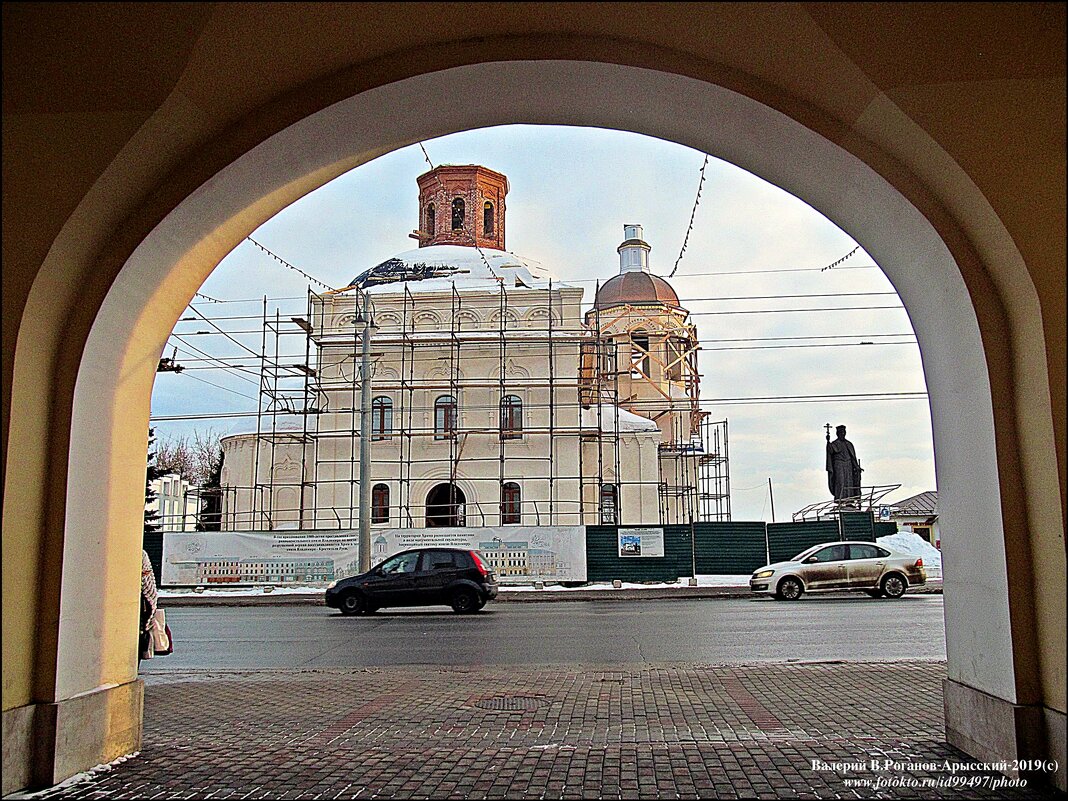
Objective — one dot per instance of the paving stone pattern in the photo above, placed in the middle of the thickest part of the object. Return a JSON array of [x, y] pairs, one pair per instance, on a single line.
[[647, 731]]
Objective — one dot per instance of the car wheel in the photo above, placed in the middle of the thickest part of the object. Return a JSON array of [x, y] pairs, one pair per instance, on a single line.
[[790, 589], [353, 604], [464, 602], [874, 593], [894, 586]]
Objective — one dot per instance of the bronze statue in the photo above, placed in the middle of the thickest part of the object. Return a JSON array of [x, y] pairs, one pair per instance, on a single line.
[[843, 467]]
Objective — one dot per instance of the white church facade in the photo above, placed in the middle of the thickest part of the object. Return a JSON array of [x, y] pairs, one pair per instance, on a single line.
[[493, 399]]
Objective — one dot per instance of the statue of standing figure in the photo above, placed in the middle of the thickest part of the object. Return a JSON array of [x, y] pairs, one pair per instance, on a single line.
[[843, 467]]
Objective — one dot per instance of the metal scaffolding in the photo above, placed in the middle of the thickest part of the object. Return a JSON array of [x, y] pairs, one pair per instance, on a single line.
[[548, 388]]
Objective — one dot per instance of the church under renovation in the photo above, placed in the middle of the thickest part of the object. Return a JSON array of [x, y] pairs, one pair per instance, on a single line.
[[495, 396]]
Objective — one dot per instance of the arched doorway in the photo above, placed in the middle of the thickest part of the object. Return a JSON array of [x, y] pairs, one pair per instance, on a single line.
[[981, 324], [446, 506]]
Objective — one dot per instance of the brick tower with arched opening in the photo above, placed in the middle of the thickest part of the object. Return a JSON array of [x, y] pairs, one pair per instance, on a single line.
[[461, 205]]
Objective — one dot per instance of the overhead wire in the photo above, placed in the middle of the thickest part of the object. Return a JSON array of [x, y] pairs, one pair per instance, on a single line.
[[689, 228], [834, 264], [218, 386], [280, 260], [596, 280], [222, 364], [742, 401]]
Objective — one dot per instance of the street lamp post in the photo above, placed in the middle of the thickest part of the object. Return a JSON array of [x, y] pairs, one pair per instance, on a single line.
[[365, 439]]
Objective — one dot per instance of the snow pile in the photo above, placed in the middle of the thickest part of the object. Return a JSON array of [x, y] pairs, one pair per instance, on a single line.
[[915, 545], [240, 592], [628, 421]]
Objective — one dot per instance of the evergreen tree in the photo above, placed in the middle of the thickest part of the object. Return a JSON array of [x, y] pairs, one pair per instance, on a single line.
[[210, 517], [152, 517]]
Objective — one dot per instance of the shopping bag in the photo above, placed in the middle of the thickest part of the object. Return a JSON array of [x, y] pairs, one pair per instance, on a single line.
[[161, 636]]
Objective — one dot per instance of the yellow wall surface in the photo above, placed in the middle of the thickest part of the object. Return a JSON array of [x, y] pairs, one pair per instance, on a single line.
[[115, 113]]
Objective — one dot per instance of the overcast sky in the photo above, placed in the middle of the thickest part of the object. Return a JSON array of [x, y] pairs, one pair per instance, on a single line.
[[571, 191]]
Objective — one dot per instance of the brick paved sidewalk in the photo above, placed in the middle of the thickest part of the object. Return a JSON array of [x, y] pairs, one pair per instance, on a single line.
[[649, 731]]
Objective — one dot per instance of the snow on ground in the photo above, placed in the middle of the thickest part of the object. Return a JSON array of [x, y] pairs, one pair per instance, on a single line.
[[915, 545]]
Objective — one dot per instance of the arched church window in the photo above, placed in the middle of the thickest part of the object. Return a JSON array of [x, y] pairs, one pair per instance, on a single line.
[[639, 354], [511, 503], [381, 418], [430, 219], [609, 505], [444, 417], [458, 212], [511, 417], [487, 219], [676, 354], [380, 503]]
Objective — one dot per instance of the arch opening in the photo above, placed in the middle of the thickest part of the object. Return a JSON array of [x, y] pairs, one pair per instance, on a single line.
[[110, 402], [446, 506]]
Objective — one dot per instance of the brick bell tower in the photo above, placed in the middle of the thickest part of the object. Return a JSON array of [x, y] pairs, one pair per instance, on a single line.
[[461, 205]]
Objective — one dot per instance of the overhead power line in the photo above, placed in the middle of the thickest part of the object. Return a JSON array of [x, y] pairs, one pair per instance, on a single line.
[[219, 386], [684, 299], [834, 264], [754, 401], [689, 228], [596, 280], [282, 261]]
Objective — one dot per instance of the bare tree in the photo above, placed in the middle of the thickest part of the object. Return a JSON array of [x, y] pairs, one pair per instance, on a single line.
[[195, 459]]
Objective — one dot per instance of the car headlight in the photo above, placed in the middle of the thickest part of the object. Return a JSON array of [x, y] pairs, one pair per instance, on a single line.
[[331, 585], [764, 574]]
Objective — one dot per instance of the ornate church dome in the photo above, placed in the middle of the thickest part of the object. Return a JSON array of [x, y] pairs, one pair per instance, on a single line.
[[635, 288], [634, 285]]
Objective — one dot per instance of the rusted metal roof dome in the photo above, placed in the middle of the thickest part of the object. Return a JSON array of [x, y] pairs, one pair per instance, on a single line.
[[636, 288]]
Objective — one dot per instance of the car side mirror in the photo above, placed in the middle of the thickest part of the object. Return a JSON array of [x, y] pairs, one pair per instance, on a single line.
[[811, 560]]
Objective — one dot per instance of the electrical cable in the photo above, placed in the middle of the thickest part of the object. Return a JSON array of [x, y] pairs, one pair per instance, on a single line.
[[280, 260], [689, 228], [219, 386], [754, 401]]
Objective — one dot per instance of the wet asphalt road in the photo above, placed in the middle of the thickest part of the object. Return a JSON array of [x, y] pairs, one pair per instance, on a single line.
[[717, 631]]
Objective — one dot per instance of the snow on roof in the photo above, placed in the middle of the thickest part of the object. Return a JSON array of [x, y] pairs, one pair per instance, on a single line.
[[628, 421], [437, 268], [247, 427]]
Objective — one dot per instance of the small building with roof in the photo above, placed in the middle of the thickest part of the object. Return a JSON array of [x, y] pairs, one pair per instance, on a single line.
[[918, 514]]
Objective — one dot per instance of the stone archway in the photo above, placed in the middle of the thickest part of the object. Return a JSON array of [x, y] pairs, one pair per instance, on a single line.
[[110, 399]]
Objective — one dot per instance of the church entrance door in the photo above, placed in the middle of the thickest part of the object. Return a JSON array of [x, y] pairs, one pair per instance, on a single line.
[[445, 506]]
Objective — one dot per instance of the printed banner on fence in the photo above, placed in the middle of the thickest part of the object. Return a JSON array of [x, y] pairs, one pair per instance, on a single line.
[[516, 554], [219, 558], [641, 542]]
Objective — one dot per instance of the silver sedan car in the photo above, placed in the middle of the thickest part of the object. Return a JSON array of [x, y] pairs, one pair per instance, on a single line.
[[861, 566]]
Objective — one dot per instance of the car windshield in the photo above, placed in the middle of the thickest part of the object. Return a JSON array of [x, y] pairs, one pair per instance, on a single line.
[[806, 552], [402, 563]]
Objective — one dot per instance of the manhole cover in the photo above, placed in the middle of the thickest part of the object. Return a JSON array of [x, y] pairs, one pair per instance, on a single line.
[[510, 702]]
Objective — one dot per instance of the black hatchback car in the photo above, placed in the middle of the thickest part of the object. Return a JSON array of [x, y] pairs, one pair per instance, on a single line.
[[459, 577]]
